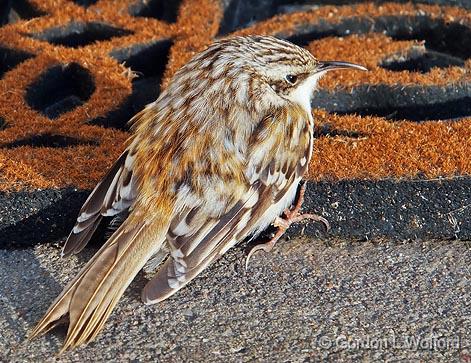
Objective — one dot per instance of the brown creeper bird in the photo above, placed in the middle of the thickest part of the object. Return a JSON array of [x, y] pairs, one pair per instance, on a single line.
[[215, 159]]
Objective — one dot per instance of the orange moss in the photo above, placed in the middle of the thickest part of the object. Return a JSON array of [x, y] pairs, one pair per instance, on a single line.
[[391, 149]]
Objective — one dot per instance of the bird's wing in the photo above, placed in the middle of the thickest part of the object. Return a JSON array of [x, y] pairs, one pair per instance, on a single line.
[[196, 239], [113, 194]]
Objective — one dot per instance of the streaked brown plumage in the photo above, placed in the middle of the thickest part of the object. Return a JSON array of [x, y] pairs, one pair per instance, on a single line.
[[216, 158]]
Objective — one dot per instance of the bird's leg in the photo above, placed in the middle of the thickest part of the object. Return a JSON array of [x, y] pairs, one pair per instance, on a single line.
[[290, 216]]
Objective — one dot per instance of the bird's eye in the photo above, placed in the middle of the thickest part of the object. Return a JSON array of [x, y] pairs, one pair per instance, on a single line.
[[291, 78]]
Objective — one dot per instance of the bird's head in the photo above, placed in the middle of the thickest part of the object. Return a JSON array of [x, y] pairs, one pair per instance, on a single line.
[[253, 73], [291, 73]]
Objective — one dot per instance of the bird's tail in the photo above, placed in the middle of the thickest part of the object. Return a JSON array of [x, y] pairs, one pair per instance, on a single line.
[[91, 296]]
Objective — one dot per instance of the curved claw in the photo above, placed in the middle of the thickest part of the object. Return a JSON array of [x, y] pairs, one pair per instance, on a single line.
[[317, 218], [312, 217], [326, 223], [267, 247]]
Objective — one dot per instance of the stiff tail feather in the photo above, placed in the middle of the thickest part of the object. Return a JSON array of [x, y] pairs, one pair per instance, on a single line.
[[91, 296]]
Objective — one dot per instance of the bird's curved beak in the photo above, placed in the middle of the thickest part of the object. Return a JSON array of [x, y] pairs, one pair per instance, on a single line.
[[331, 65]]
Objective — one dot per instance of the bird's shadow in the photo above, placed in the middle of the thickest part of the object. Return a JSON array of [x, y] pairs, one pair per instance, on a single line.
[[28, 299]]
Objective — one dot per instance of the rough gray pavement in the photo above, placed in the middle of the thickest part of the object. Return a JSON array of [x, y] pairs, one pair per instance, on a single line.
[[309, 300]]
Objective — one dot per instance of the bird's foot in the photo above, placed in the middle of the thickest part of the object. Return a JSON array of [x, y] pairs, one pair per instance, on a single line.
[[290, 216]]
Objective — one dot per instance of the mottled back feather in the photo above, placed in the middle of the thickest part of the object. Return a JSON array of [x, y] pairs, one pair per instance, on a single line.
[[113, 195]]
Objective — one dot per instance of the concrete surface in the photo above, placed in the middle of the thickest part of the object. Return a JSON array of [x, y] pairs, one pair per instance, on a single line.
[[310, 300]]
